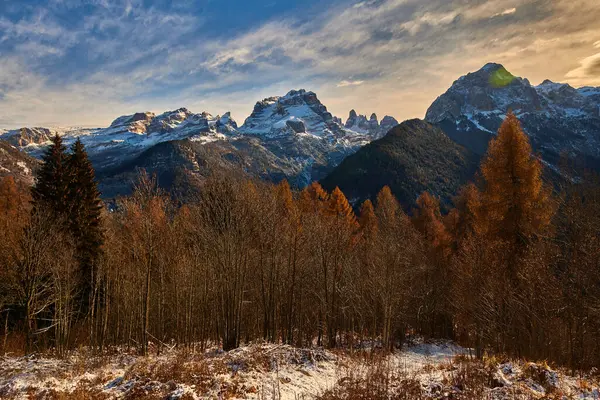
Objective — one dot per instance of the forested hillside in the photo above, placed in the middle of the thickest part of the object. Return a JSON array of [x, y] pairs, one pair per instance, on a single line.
[[512, 268], [412, 158]]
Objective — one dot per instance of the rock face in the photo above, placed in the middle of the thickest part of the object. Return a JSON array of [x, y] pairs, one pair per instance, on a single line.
[[16, 163], [371, 126], [387, 123], [290, 137], [557, 117], [303, 137], [413, 157], [298, 111]]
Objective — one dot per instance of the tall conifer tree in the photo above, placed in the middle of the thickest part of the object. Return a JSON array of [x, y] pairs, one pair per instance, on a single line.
[[51, 190], [516, 203], [85, 212]]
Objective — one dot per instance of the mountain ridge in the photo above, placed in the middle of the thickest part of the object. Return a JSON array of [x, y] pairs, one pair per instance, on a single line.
[[412, 157], [559, 119], [291, 137]]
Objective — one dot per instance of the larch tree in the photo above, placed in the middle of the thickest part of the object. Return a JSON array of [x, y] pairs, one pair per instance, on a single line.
[[515, 214], [313, 198], [427, 219], [516, 202], [340, 228], [290, 219], [367, 220], [397, 262], [461, 220]]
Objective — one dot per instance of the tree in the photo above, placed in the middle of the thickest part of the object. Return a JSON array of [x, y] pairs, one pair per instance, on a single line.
[[516, 203], [339, 207], [461, 220], [84, 216], [427, 219], [504, 253], [226, 231], [145, 228], [51, 190], [14, 216], [368, 220], [45, 290], [313, 198]]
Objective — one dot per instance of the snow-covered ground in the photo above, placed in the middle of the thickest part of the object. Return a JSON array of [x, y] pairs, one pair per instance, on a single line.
[[267, 371]]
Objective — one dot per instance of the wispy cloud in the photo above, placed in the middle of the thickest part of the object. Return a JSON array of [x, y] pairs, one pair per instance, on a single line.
[[69, 63], [508, 11], [588, 72], [349, 83]]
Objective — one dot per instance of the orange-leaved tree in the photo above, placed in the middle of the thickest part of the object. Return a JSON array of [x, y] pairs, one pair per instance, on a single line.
[[516, 203]]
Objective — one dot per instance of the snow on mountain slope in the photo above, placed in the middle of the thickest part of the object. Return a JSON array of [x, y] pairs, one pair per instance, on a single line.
[[558, 118], [16, 163], [371, 126], [299, 113], [128, 135], [292, 137]]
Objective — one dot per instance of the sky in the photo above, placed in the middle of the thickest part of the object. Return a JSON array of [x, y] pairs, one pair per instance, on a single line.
[[86, 62]]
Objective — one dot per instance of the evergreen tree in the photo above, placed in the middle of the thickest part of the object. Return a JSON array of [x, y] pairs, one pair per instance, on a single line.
[[51, 190], [85, 213]]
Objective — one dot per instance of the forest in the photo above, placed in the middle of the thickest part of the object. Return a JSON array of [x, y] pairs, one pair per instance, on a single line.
[[512, 268]]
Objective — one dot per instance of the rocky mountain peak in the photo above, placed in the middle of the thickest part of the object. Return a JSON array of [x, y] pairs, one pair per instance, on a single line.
[[226, 124], [26, 136], [299, 111], [371, 126], [387, 123], [556, 116], [491, 89]]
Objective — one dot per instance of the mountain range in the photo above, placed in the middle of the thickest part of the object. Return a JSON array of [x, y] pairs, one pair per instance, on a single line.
[[559, 119], [294, 137], [290, 137]]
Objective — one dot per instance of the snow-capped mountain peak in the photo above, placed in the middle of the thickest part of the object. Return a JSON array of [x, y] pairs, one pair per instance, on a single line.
[[292, 136], [298, 112], [557, 116], [372, 127]]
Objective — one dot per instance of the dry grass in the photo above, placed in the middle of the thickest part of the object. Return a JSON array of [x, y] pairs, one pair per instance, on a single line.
[[254, 372]]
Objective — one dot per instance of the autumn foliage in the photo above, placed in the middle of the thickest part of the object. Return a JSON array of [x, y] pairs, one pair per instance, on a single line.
[[512, 268]]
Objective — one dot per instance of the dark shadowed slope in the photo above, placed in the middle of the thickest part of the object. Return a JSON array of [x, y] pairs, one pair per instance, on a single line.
[[413, 157]]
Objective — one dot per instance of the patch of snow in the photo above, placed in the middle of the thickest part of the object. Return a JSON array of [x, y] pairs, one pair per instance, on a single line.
[[24, 167]]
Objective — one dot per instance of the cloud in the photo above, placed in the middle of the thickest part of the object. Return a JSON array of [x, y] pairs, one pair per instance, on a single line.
[[588, 70], [508, 11], [85, 62], [429, 20], [345, 83]]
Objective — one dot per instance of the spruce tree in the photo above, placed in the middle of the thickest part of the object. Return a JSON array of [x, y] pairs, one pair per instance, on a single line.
[[85, 209], [51, 190]]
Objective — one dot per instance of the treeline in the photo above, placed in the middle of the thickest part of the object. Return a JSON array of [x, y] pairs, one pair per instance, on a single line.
[[513, 268]]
